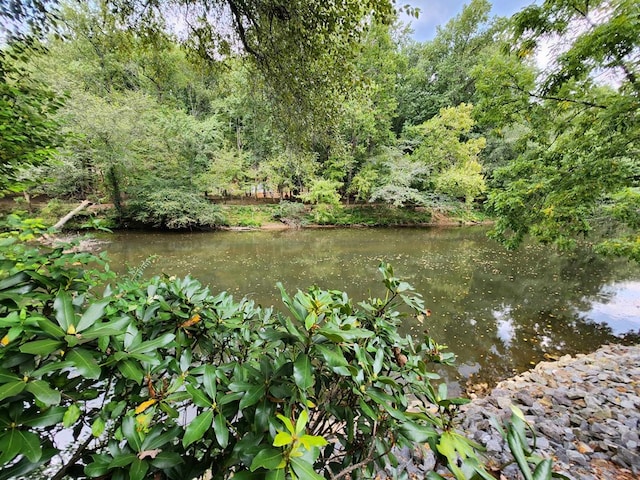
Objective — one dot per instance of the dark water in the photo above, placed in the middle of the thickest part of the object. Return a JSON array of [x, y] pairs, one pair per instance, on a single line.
[[499, 311]]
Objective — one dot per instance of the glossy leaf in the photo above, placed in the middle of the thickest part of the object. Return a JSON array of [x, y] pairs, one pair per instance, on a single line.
[[47, 418], [268, 459], [253, 396], [197, 428], [43, 392], [131, 370], [30, 445], [85, 363], [11, 389], [221, 430], [302, 372], [543, 470], [50, 328], [41, 347], [304, 469], [92, 315], [71, 416], [63, 308], [130, 432], [138, 469]]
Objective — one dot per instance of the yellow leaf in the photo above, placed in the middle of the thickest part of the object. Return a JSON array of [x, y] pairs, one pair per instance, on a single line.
[[71, 330], [282, 438], [146, 404], [5, 341]]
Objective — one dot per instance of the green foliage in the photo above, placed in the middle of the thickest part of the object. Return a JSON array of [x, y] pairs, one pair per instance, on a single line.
[[27, 106], [463, 180], [175, 209], [162, 377], [437, 73], [578, 155], [322, 191]]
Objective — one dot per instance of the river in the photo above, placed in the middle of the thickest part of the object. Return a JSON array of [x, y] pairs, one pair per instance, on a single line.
[[499, 311]]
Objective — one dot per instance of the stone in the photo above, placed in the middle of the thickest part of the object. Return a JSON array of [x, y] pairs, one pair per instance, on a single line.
[[577, 457]]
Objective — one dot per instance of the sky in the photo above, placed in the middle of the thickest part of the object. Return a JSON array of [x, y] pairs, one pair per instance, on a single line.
[[439, 12]]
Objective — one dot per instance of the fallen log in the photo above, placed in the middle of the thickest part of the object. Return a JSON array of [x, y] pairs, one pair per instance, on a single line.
[[71, 214]]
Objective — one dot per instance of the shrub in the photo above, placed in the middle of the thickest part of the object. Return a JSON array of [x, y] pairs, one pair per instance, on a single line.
[[174, 208], [162, 379]]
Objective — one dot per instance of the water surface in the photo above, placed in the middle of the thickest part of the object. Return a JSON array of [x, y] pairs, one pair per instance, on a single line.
[[499, 311]]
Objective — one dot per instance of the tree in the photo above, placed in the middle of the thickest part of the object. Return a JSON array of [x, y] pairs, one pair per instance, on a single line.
[[582, 148], [437, 73], [27, 106]]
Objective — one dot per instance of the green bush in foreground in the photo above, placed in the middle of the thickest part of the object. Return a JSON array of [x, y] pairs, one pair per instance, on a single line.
[[162, 379]]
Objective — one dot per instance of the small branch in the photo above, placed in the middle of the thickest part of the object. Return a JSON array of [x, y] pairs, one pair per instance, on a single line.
[[76, 456], [364, 462]]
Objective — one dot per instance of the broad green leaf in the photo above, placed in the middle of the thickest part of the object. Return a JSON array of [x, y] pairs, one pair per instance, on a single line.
[[417, 433], [253, 396], [31, 447], [65, 314], [287, 423], [130, 369], [50, 328], [279, 474], [71, 416], [130, 432], [301, 423], [302, 372], [92, 315], [122, 460], [377, 363], [97, 427], [10, 446], [7, 377], [221, 430], [138, 469], [197, 428], [42, 347], [47, 418], [333, 356], [158, 438], [198, 396], [209, 380], [115, 327], [84, 362], [13, 280], [153, 345], [96, 469], [304, 469], [310, 441], [268, 459], [43, 392], [166, 460], [368, 411], [11, 389]]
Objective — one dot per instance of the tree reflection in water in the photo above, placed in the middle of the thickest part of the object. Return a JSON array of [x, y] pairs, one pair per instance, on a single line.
[[499, 311]]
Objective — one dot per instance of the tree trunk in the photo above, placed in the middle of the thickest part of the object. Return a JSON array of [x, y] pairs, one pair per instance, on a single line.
[[71, 214]]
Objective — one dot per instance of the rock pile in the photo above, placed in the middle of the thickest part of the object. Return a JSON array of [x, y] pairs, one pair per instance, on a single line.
[[585, 412]]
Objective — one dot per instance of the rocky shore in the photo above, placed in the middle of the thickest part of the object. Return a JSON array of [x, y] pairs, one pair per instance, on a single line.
[[585, 411]]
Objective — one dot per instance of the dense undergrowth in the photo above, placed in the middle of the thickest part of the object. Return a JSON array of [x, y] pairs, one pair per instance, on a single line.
[[190, 213]]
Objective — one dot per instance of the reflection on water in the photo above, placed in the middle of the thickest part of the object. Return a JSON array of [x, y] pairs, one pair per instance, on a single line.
[[499, 311]]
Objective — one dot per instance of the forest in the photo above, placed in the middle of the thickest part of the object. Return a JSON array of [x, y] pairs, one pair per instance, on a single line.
[[158, 124], [161, 113]]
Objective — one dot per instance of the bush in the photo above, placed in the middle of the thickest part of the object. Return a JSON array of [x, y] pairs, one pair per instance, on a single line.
[[162, 379], [174, 208]]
